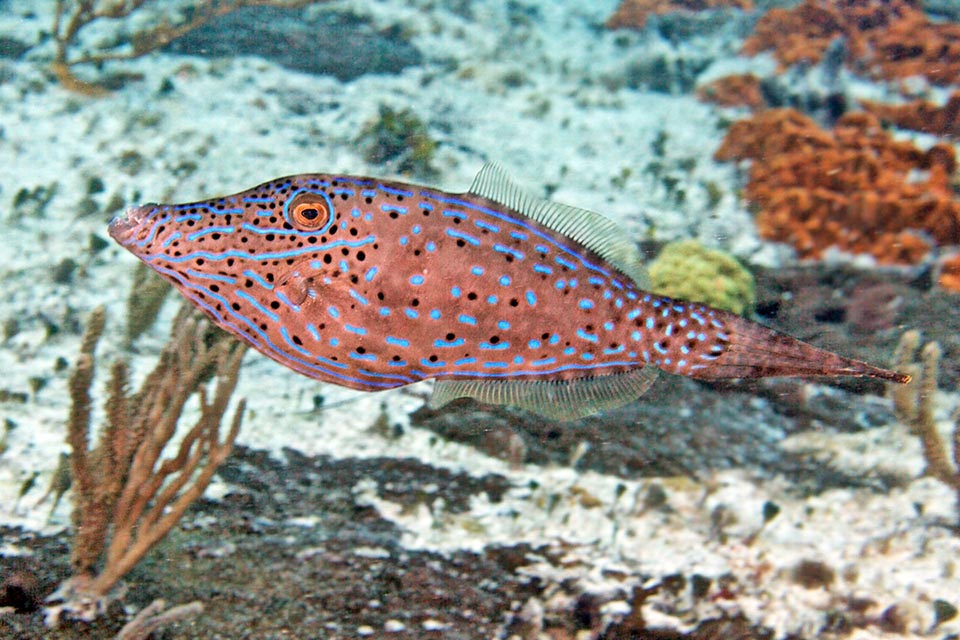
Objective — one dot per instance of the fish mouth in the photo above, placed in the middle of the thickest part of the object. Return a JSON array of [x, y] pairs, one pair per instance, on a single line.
[[123, 228]]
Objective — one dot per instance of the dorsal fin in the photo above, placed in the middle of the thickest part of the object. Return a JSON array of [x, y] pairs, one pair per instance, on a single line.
[[592, 230], [554, 399]]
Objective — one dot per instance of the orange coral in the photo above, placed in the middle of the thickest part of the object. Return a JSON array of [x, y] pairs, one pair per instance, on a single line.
[[888, 38], [915, 46], [921, 115], [633, 14], [734, 91], [855, 187], [950, 274]]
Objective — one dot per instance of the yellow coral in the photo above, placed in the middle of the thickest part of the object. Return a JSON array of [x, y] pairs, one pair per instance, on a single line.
[[690, 271]]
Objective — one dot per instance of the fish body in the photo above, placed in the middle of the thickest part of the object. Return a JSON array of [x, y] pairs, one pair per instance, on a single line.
[[373, 284]]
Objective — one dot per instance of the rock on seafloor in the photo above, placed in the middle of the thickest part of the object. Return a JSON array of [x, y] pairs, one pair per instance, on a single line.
[[333, 43]]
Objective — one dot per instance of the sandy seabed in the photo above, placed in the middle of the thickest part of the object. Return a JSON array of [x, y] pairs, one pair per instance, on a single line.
[[544, 97]]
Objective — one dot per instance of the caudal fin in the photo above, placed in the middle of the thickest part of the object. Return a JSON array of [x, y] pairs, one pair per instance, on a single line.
[[750, 350]]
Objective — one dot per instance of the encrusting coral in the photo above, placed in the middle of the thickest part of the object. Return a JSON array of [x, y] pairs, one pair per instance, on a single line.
[[855, 187], [689, 270], [889, 39], [950, 273], [736, 90], [72, 16], [921, 115], [126, 496], [633, 14]]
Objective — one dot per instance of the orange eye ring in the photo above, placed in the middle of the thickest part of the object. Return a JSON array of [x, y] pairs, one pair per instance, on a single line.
[[311, 212]]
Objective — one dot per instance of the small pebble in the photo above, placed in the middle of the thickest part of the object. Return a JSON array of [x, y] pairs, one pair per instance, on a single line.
[[434, 625], [394, 626]]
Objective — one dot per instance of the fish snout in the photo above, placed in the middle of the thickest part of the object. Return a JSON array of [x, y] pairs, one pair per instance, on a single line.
[[124, 228]]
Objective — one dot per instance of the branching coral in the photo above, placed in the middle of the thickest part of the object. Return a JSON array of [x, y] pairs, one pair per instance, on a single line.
[[855, 187], [633, 14], [921, 115], [154, 616], [72, 16], [913, 403], [126, 497], [887, 38]]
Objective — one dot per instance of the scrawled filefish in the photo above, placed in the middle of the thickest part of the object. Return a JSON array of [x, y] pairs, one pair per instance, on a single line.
[[498, 295]]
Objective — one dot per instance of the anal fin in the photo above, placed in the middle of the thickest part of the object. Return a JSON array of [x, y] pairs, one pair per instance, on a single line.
[[555, 399]]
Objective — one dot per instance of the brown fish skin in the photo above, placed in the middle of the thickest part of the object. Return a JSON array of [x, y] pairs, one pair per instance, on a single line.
[[755, 351], [373, 284]]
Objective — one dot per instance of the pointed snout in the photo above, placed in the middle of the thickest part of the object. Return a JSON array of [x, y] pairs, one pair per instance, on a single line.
[[123, 228]]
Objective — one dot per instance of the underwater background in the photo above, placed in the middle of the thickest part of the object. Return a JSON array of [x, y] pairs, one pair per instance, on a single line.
[[793, 162]]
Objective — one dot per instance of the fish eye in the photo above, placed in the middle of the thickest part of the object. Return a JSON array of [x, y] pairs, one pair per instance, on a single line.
[[309, 212]]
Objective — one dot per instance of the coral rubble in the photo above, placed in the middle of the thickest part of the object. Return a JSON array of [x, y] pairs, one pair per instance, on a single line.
[[633, 14], [854, 188], [890, 39]]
